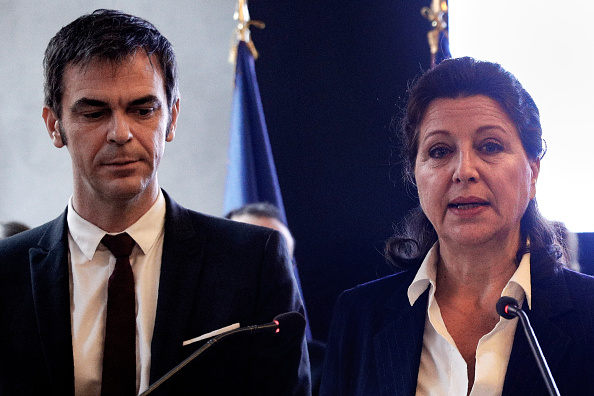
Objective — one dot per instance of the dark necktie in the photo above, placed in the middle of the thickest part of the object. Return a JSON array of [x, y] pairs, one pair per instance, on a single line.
[[119, 356]]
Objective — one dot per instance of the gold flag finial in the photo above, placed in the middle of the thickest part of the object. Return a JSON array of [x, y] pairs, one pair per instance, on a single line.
[[242, 31], [437, 15]]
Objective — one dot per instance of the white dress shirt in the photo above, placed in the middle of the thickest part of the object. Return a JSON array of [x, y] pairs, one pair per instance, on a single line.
[[91, 264], [443, 370]]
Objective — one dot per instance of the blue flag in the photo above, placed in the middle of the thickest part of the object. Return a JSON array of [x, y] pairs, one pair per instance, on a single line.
[[251, 174]]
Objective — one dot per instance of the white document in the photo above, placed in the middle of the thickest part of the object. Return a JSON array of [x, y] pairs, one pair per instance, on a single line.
[[212, 334]]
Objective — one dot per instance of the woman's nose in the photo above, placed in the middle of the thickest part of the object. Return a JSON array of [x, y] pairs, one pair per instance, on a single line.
[[466, 168]]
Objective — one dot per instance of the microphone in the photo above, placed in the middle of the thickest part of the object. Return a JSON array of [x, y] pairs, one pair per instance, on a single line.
[[508, 308], [285, 323]]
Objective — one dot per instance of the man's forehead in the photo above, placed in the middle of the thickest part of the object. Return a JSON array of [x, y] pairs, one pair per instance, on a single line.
[[108, 80], [114, 67]]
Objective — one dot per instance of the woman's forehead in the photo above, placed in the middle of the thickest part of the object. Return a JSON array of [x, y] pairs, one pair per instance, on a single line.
[[473, 112]]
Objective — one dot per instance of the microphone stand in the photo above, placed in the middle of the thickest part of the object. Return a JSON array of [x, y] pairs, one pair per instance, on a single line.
[[510, 308], [269, 327]]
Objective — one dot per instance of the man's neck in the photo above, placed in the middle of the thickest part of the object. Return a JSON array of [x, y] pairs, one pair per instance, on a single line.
[[114, 215]]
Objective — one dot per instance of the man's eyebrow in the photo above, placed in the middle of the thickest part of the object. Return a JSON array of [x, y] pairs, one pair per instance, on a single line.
[[80, 104], [148, 99], [86, 102]]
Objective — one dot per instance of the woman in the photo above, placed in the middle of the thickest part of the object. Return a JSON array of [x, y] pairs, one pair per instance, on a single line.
[[472, 147]]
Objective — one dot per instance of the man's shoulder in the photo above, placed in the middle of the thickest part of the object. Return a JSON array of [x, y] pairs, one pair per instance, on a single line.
[[15, 250], [25, 240], [202, 223]]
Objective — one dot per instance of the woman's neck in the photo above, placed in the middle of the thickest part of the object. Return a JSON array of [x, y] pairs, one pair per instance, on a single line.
[[479, 271]]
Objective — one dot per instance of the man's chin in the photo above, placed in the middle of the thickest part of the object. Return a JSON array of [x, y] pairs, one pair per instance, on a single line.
[[127, 190]]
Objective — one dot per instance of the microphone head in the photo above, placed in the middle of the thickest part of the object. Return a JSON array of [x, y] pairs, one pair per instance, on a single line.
[[290, 322], [502, 305]]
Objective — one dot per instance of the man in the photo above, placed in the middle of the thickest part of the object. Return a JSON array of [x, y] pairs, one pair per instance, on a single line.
[[111, 99], [267, 215], [11, 228], [264, 214]]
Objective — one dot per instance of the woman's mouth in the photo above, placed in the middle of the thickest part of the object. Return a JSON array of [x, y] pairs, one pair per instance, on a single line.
[[469, 205]]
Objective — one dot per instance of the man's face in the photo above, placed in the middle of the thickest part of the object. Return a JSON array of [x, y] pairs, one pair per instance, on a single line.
[[115, 121]]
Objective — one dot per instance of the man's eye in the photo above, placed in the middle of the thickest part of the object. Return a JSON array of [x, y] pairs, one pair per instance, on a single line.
[[438, 152], [94, 115], [145, 112]]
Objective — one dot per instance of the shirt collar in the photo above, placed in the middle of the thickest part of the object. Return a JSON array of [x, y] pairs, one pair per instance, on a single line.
[[145, 231], [426, 275], [84, 233], [148, 228], [519, 286]]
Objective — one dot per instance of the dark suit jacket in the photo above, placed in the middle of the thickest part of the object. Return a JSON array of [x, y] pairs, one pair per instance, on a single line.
[[376, 337], [214, 272]]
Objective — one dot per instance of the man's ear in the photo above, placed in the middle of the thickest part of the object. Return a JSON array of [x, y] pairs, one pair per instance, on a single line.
[[173, 124], [52, 125]]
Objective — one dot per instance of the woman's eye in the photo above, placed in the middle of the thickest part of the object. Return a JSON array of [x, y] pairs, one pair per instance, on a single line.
[[438, 152], [492, 147]]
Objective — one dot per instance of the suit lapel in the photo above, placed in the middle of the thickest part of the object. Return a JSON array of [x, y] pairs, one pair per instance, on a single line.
[[180, 267], [550, 298], [50, 282], [399, 343]]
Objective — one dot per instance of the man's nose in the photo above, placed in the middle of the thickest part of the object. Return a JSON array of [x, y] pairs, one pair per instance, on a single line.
[[119, 130]]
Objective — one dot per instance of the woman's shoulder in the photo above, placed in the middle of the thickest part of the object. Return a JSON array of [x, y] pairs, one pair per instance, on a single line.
[[566, 292], [387, 284], [375, 295], [580, 286]]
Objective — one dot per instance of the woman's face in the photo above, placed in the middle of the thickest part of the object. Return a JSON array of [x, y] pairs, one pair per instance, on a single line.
[[473, 175]]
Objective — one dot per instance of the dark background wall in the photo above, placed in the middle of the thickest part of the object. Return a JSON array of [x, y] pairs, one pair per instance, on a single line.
[[333, 75]]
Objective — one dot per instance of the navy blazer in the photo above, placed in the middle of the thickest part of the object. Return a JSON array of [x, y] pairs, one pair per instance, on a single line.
[[376, 338], [214, 272]]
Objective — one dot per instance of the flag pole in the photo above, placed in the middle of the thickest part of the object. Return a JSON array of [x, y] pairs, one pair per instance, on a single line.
[[242, 31], [437, 14]]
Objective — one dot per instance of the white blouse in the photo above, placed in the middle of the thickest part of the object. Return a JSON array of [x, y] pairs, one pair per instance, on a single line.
[[443, 370]]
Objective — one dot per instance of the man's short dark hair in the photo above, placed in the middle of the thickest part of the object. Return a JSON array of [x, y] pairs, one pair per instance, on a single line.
[[259, 209], [107, 35], [11, 228]]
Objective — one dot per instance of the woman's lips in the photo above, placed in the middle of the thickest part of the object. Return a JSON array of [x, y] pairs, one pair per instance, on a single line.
[[468, 209], [468, 205]]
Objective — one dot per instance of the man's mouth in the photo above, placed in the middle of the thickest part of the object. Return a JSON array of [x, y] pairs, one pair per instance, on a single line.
[[120, 162]]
